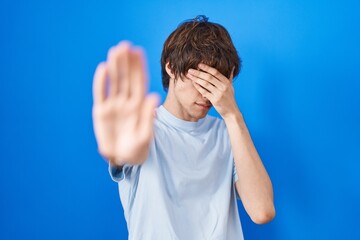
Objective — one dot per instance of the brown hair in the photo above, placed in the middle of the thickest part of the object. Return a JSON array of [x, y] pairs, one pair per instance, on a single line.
[[199, 41]]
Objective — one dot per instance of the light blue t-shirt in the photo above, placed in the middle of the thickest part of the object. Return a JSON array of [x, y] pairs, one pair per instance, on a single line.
[[185, 189]]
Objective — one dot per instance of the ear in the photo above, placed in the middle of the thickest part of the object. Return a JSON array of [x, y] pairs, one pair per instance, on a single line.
[[232, 73], [168, 70]]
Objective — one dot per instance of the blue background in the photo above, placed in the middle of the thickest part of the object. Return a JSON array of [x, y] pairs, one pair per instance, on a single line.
[[298, 90]]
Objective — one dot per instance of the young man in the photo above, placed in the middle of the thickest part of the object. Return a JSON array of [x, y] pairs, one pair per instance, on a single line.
[[179, 170]]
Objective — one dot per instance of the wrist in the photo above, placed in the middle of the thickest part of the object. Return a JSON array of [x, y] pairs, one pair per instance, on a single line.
[[112, 159], [233, 117]]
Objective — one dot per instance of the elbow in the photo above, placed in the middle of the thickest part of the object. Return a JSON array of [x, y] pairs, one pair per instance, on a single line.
[[264, 216]]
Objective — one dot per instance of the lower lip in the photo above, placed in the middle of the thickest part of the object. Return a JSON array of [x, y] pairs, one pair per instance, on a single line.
[[203, 106]]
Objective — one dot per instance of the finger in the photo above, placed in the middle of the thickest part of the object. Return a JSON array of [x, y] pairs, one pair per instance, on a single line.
[[113, 82], [123, 66], [204, 76], [138, 75], [212, 71], [99, 83], [204, 84], [196, 74], [203, 92], [118, 62], [146, 121]]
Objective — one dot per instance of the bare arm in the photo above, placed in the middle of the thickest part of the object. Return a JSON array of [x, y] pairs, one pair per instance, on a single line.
[[122, 114], [254, 185]]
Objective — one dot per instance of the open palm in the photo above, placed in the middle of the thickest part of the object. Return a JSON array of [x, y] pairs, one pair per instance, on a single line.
[[122, 115]]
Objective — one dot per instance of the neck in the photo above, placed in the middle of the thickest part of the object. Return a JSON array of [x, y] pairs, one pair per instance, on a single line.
[[172, 105], [175, 108]]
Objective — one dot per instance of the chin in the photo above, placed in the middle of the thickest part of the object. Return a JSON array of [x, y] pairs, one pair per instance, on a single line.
[[200, 114]]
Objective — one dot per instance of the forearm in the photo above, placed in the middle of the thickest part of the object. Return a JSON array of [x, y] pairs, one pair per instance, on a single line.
[[253, 185]]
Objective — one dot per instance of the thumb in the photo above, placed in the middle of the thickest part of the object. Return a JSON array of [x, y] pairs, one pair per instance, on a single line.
[[147, 115]]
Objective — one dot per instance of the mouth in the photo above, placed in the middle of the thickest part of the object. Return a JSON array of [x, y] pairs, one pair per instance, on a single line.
[[204, 105]]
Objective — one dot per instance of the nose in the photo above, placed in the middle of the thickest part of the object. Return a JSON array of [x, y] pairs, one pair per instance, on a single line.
[[206, 100]]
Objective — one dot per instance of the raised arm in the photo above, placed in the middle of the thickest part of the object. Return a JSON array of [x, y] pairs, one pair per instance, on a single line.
[[254, 185], [122, 114]]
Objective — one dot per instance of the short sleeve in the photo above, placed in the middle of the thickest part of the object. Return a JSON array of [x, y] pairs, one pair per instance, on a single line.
[[116, 173], [235, 176], [235, 179]]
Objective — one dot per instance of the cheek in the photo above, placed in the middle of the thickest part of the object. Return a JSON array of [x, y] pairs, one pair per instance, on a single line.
[[188, 92], [192, 92]]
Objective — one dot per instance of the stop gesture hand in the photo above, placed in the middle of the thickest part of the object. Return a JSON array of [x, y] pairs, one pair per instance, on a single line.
[[122, 115]]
